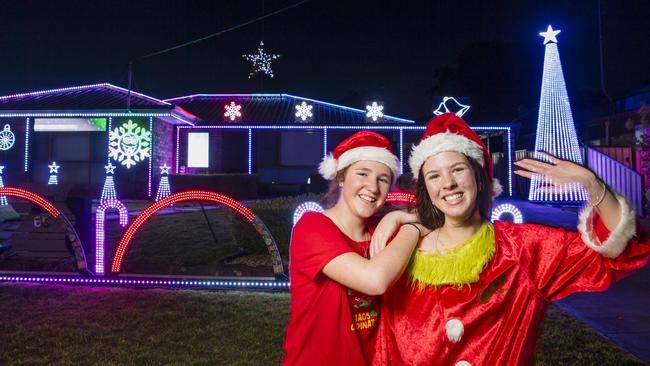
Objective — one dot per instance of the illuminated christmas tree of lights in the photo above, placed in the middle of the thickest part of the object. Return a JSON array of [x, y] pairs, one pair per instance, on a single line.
[[163, 187], [556, 132]]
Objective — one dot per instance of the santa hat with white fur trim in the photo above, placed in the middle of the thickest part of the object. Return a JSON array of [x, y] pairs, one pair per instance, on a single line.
[[362, 145], [448, 132]]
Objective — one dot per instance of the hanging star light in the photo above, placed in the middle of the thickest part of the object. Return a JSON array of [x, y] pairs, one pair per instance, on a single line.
[[374, 111], [549, 35], [261, 61]]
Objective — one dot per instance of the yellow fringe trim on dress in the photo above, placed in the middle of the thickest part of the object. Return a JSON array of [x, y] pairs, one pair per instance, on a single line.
[[461, 266]]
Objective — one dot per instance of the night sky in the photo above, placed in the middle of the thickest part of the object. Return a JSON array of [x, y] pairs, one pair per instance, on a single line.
[[401, 54]]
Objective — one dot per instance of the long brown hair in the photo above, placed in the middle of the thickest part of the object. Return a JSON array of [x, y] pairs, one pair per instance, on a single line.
[[431, 217]]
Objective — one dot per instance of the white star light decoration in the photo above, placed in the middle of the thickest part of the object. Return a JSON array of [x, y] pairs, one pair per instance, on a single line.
[[164, 169], [549, 35], [303, 111], [453, 107], [2, 167], [232, 111], [261, 62], [54, 169], [374, 111], [110, 168]]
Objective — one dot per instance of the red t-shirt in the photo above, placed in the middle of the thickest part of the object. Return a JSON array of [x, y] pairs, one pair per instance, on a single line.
[[330, 324]]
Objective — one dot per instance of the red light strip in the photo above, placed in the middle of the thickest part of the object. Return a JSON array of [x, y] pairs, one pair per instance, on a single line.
[[174, 198], [400, 197], [30, 196]]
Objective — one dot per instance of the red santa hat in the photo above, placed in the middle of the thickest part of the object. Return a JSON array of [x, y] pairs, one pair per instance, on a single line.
[[448, 132], [362, 145]]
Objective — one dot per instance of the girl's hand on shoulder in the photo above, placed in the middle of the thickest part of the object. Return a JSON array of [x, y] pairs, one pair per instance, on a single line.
[[387, 227]]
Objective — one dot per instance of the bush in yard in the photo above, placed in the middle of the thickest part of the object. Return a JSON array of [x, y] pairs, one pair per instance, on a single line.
[[277, 215]]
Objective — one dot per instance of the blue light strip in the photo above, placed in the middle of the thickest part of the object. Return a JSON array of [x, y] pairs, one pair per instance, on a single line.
[[324, 143], [251, 96], [250, 151], [346, 108], [374, 127], [89, 114], [178, 135], [147, 282], [150, 155], [26, 168], [401, 151], [74, 88], [108, 138]]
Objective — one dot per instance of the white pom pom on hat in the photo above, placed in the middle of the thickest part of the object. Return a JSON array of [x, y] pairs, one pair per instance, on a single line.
[[362, 145]]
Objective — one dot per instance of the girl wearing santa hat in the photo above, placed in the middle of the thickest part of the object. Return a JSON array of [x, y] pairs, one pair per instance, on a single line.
[[475, 292], [334, 286]]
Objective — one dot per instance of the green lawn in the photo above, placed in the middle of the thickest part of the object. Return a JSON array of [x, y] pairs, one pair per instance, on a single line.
[[61, 325]]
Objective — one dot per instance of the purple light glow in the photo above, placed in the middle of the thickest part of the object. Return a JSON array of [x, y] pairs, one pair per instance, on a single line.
[[217, 284]]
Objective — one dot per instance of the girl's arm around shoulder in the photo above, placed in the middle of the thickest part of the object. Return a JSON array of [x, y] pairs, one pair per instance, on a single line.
[[374, 276]]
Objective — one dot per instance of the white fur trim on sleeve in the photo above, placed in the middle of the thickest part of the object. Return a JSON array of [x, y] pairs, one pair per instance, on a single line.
[[618, 238], [442, 142]]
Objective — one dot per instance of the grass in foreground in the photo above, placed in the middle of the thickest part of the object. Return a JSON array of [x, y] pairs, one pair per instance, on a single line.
[[59, 325]]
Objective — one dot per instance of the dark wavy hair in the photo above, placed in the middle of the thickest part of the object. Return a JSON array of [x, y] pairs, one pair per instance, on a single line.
[[431, 217]]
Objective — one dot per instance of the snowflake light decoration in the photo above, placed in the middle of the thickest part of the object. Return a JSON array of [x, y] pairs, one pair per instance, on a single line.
[[374, 111], [303, 111], [261, 61], [129, 144], [453, 105], [233, 111], [7, 138]]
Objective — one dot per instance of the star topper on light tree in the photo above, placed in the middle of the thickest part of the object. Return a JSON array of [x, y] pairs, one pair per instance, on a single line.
[[556, 132], [164, 189]]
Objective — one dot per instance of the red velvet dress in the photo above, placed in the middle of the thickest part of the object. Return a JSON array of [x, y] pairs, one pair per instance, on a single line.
[[496, 320]]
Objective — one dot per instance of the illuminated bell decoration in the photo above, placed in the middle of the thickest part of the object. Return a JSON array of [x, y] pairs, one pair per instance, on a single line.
[[129, 144], [556, 132], [7, 138], [233, 111], [261, 61], [375, 111], [498, 211], [451, 105]]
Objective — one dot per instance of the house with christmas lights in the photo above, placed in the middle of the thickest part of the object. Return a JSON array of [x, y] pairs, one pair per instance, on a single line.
[[239, 144]]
